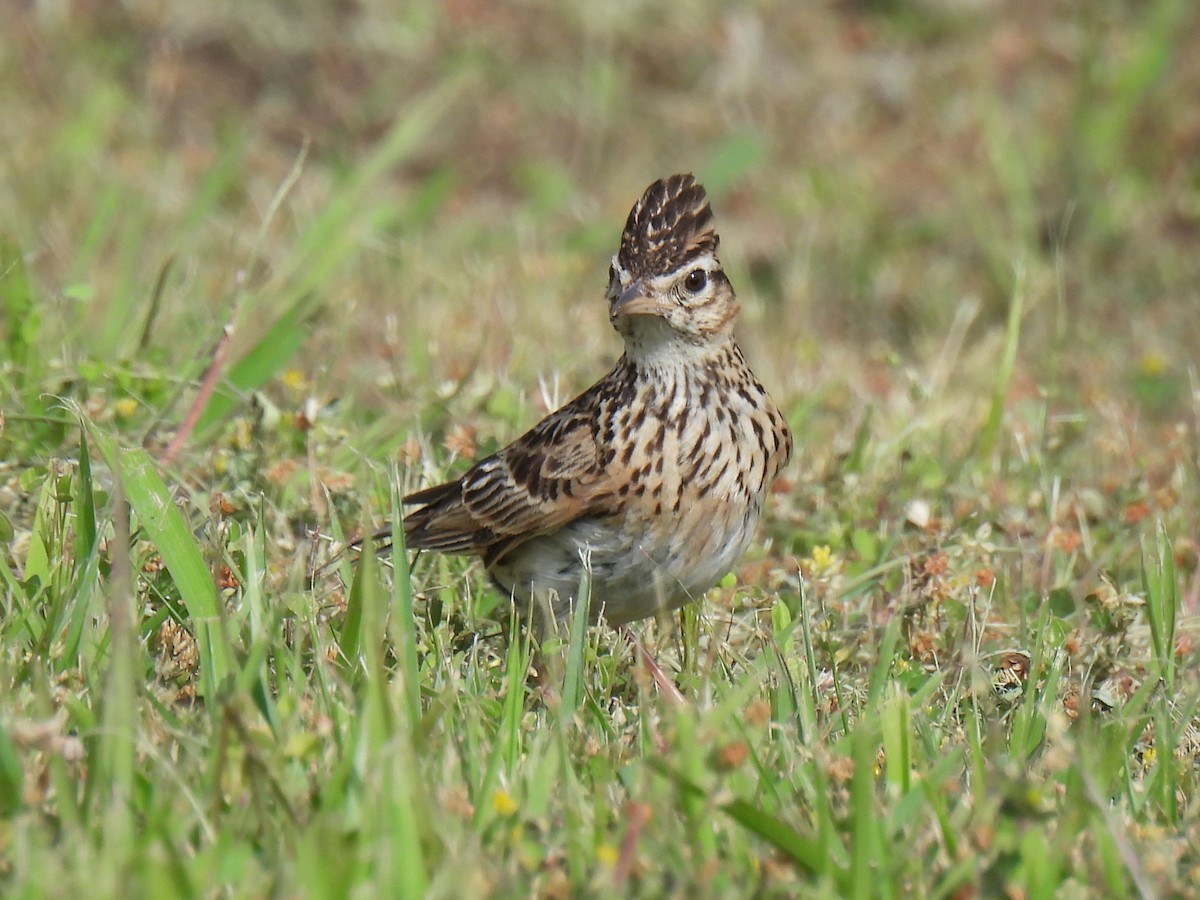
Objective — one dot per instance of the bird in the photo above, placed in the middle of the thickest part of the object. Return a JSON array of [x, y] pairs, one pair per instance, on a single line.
[[654, 479]]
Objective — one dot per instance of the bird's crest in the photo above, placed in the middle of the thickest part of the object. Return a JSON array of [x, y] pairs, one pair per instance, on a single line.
[[668, 227]]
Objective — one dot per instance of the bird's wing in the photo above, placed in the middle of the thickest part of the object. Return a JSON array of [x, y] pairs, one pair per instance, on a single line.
[[550, 476]]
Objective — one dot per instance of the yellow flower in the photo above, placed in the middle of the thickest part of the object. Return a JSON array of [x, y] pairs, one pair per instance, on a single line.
[[125, 407], [607, 855], [1152, 364], [294, 379], [823, 561], [503, 803]]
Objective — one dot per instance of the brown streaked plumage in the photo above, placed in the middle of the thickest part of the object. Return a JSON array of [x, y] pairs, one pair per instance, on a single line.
[[655, 477]]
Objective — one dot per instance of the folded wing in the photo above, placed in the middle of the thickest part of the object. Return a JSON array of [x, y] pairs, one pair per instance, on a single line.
[[550, 476]]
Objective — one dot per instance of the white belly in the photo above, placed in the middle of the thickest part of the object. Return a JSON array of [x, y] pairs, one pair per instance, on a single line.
[[628, 580]]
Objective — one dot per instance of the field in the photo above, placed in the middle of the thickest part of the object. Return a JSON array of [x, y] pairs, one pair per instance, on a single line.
[[266, 266]]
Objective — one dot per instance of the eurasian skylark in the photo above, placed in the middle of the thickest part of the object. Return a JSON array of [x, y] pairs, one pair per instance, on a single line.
[[655, 477]]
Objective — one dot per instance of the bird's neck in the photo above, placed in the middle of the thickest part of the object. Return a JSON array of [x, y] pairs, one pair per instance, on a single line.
[[662, 349]]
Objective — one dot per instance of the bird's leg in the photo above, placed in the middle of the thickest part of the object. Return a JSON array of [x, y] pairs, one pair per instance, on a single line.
[[665, 685]]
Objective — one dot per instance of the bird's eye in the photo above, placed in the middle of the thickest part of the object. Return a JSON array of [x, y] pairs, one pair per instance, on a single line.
[[695, 280]]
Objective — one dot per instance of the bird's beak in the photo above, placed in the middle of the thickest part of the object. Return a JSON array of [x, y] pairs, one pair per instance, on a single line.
[[635, 300]]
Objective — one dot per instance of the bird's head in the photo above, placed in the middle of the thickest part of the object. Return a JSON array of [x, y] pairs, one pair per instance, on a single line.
[[666, 284]]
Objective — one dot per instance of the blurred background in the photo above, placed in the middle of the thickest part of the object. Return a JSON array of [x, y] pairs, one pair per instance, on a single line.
[[429, 192], [966, 236]]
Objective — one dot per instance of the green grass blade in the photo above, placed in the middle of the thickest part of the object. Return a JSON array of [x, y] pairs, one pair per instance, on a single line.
[[41, 544], [403, 617], [689, 758], [804, 852], [351, 635], [1004, 371], [112, 781], [262, 363], [1162, 602], [331, 237], [1111, 120], [786, 702], [84, 506], [12, 776], [865, 842], [509, 738], [87, 557], [166, 528], [22, 320], [897, 739], [508, 744], [255, 669], [573, 681]]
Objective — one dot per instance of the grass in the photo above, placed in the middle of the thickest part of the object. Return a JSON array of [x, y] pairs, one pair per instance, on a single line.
[[960, 660]]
